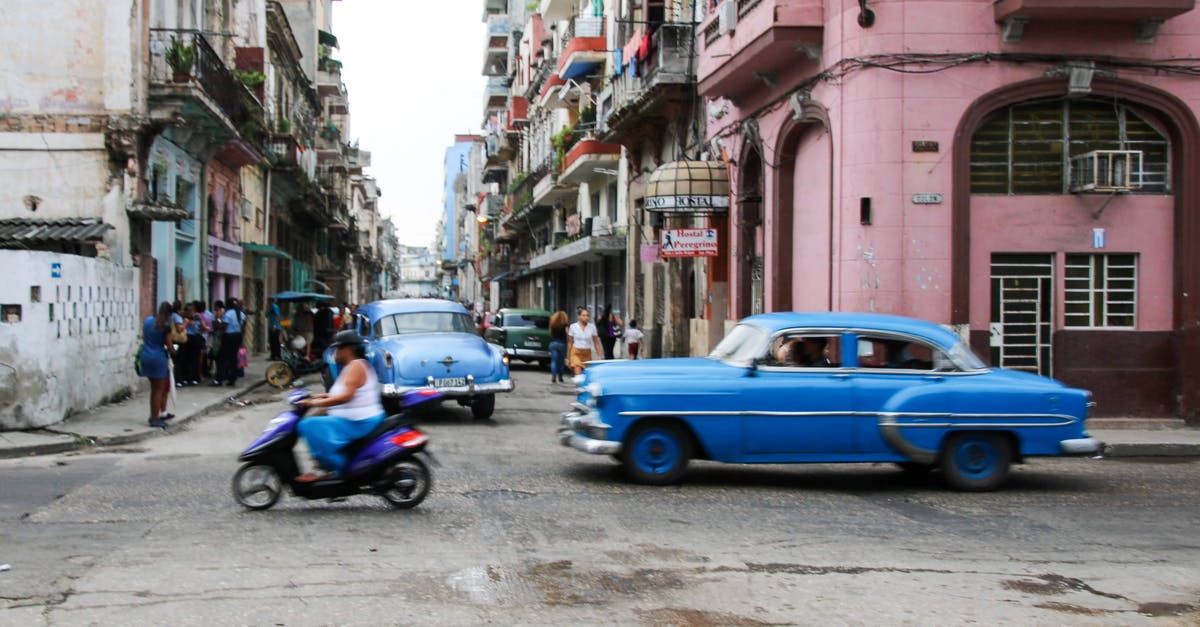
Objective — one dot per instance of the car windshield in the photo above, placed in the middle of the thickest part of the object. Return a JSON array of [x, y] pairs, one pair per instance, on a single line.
[[424, 322], [965, 357], [742, 346], [526, 320]]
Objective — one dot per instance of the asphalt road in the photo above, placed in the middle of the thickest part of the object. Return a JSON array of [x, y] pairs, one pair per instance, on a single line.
[[519, 530]]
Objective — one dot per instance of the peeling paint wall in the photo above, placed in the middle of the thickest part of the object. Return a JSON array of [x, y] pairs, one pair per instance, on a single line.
[[74, 344]]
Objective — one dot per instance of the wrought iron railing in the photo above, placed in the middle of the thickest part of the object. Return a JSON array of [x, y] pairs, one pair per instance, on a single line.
[[208, 70]]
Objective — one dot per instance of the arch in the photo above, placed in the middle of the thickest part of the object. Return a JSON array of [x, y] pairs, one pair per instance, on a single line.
[[791, 133], [749, 220], [1184, 134]]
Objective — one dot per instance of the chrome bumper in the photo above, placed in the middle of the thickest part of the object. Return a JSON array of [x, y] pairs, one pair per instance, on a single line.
[[527, 352], [391, 390], [1081, 446], [582, 417]]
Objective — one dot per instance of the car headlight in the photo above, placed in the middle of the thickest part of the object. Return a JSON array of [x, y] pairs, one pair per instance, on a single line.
[[594, 389]]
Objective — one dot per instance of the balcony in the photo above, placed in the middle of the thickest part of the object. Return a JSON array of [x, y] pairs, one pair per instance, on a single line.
[[209, 97], [1146, 15], [767, 36], [518, 113], [495, 94], [584, 48], [662, 74], [495, 53], [557, 10], [589, 160], [587, 248], [548, 189], [499, 149]]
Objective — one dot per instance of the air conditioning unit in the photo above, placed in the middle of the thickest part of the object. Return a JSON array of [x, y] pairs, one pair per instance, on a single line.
[[1106, 171], [727, 16]]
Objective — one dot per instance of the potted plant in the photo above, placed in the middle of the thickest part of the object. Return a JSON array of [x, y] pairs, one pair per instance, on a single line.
[[284, 126], [250, 78], [181, 57]]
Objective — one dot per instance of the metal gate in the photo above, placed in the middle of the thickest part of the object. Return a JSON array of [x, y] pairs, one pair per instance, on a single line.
[[1022, 311]]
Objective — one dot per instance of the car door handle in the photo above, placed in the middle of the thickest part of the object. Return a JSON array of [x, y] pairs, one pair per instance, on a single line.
[[933, 377], [840, 375]]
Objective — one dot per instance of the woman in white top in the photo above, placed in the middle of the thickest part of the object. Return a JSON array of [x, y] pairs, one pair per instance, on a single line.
[[356, 411], [582, 339]]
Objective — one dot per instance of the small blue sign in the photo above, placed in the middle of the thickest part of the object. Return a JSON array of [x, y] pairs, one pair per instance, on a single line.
[[1098, 238], [56, 270]]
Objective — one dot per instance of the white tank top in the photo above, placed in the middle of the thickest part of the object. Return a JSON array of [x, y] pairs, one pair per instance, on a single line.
[[365, 403]]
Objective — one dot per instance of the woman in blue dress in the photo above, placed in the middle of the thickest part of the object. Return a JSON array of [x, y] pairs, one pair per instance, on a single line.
[[155, 366]]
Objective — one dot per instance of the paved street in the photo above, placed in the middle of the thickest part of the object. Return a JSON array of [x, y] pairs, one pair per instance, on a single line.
[[521, 530]]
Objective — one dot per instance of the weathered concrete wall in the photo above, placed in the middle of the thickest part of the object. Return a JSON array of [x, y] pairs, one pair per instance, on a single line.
[[73, 345]]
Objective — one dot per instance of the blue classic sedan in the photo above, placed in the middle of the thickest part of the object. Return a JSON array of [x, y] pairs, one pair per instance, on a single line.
[[827, 387], [423, 343]]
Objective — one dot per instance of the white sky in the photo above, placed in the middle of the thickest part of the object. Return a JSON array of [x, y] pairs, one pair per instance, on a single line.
[[413, 70]]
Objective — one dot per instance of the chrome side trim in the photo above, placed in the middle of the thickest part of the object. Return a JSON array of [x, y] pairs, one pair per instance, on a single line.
[[890, 431], [1062, 420]]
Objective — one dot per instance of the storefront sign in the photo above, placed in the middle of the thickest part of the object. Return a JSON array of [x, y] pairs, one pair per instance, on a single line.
[[689, 243], [927, 199], [924, 145], [687, 204]]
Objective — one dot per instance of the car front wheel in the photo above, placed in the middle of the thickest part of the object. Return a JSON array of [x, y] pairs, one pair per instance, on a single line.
[[656, 453], [976, 462]]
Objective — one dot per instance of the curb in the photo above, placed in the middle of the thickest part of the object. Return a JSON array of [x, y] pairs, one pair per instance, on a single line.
[[81, 443], [1151, 450]]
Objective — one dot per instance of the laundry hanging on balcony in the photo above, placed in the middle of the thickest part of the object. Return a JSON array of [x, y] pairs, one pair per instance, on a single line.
[[689, 187]]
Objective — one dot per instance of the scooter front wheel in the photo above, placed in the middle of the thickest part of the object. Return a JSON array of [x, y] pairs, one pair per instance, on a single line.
[[410, 481], [257, 486]]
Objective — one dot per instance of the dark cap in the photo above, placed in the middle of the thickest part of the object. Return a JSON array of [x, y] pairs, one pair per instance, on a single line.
[[346, 338]]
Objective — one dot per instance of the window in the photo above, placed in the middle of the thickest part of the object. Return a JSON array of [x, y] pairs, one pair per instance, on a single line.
[[424, 322], [744, 344], [805, 350], [526, 320], [882, 352], [1027, 148], [1101, 291]]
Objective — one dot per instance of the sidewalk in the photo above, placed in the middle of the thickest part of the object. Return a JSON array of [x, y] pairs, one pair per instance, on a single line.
[[125, 422]]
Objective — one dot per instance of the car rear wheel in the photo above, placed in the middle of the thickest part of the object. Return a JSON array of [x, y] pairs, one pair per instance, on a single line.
[[976, 462], [483, 406], [656, 453]]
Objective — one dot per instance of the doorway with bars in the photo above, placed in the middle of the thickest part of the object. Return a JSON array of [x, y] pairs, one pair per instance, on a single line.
[[1022, 318]]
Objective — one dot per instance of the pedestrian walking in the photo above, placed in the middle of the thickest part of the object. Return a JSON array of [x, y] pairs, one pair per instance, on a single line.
[[323, 329], [153, 363], [581, 341], [273, 328], [558, 345], [230, 344], [633, 339], [609, 326]]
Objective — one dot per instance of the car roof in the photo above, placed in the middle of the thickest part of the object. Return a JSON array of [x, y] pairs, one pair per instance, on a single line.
[[514, 310], [379, 308], [852, 320]]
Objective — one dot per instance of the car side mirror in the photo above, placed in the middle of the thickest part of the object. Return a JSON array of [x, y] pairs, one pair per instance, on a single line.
[[752, 369]]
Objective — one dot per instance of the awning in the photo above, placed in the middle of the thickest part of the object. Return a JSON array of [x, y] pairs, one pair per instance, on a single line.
[[156, 212], [301, 296], [497, 277], [326, 38], [20, 232], [265, 250], [689, 187]]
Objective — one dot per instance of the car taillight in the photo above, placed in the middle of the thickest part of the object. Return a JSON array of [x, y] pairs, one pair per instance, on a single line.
[[409, 439], [387, 360]]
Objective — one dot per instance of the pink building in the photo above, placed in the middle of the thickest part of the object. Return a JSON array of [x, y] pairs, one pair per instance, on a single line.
[[1026, 170]]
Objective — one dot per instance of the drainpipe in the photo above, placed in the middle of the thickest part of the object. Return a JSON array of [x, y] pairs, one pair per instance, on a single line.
[[202, 239], [267, 227]]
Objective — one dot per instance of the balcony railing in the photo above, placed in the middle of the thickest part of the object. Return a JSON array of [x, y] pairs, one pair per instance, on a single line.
[[208, 71]]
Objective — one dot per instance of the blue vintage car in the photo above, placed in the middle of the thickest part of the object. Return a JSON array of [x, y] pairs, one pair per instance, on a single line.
[[417, 343], [827, 387]]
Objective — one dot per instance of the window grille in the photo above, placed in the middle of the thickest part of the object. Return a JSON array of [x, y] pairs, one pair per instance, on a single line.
[[1027, 148], [1101, 291]]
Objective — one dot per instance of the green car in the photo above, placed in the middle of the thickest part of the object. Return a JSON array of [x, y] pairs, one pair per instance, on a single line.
[[523, 334]]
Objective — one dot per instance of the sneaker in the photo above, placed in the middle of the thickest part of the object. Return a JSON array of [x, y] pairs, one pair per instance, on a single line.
[[193, 383], [179, 384]]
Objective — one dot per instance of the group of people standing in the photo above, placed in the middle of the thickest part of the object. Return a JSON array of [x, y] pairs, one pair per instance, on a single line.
[[193, 339], [316, 327], [572, 346]]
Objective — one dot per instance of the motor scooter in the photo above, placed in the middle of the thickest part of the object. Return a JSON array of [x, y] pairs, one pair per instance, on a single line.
[[389, 462]]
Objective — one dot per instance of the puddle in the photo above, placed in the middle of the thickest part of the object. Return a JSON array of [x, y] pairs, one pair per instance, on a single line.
[[682, 617], [1165, 609], [559, 583]]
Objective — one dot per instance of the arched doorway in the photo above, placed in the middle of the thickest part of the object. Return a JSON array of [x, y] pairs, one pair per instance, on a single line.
[[804, 227], [750, 234], [1079, 246]]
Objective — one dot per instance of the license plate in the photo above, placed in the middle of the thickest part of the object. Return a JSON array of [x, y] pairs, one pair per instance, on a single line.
[[533, 343], [450, 382]]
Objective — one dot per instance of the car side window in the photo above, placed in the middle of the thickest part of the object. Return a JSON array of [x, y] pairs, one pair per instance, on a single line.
[[887, 353], [805, 350], [364, 326], [385, 326]]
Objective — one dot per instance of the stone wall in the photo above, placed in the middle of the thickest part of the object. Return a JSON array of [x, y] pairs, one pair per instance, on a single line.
[[72, 344]]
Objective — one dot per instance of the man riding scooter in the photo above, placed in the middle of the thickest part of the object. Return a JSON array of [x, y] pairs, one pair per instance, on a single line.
[[355, 408]]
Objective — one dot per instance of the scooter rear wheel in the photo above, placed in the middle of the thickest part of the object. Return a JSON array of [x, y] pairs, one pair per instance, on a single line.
[[257, 486], [411, 481], [280, 375]]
